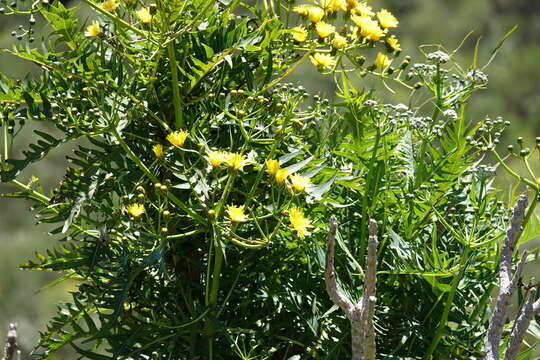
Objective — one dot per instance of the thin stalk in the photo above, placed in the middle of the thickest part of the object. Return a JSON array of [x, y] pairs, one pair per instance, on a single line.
[[178, 116], [530, 212], [529, 169], [6, 141], [448, 305], [218, 257], [514, 174]]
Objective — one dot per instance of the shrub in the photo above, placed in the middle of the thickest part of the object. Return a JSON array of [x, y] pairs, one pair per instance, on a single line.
[[193, 212]]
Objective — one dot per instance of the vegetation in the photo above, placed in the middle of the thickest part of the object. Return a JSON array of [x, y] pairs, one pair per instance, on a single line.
[[194, 212]]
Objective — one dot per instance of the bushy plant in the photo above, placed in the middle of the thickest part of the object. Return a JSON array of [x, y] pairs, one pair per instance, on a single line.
[[194, 209]]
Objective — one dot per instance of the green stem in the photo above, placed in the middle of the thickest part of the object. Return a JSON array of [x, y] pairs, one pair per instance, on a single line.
[[38, 196], [178, 117], [6, 140], [530, 212], [514, 174], [448, 305], [154, 179]]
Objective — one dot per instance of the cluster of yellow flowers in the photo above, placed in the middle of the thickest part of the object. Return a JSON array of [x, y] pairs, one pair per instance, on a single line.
[[368, 27], [235, 161], [299, 184], [143, 14]]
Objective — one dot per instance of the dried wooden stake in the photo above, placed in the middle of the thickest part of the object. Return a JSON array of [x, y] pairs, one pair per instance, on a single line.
[[361, 314], [507, 287], [11, 348]]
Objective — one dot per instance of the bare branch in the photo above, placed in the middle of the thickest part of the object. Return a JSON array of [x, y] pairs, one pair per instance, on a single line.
[[507, 283], [11, 343], [520, 328], [370, 283], [336, 295], [361, 314]]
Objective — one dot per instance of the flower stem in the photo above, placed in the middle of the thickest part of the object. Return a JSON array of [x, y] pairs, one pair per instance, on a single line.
[[178, 117]]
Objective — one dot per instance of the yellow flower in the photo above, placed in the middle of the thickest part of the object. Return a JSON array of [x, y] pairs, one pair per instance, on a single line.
[[236, 213], [382, 61], [216, 157], [386, 19], [351, 4], [135, 210], [300, 183], [144, 15], [315, 14], [302, 9], [93, 29], [393, 42], [322, 61], [324, 29], [299, 33], [109, 5], [281, 175], [339, 41], [331, 6], [299, 222], [178, 138], [158, 150], [272, 166], [363, 9], [236, 161], [369, 28]]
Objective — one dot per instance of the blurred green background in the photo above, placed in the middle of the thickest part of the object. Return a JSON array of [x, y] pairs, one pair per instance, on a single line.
[[513, 93]]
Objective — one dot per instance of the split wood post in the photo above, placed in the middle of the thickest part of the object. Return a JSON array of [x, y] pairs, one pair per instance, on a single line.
[[360, 314]]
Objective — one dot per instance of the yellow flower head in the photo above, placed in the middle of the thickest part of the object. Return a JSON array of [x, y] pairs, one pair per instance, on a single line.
[[382, 61], [315, 14], [93, 29], [331, 6], [158, 150], [363, 9], [282, 175], [351, 4], [236, 213], [300, 183], [324, 29], [178, 138], [135, 210], [236, 161], [109, 5], [322, 61], [144, 15], [216, 158], [393, 43], [299, 222], [299, 33], [386, 19], [339, 41], [302, 9], [272, 166], [369, 28]]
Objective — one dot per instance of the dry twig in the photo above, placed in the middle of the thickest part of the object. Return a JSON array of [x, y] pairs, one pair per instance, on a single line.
[[11, 348], [361, 314], [507, 287]]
